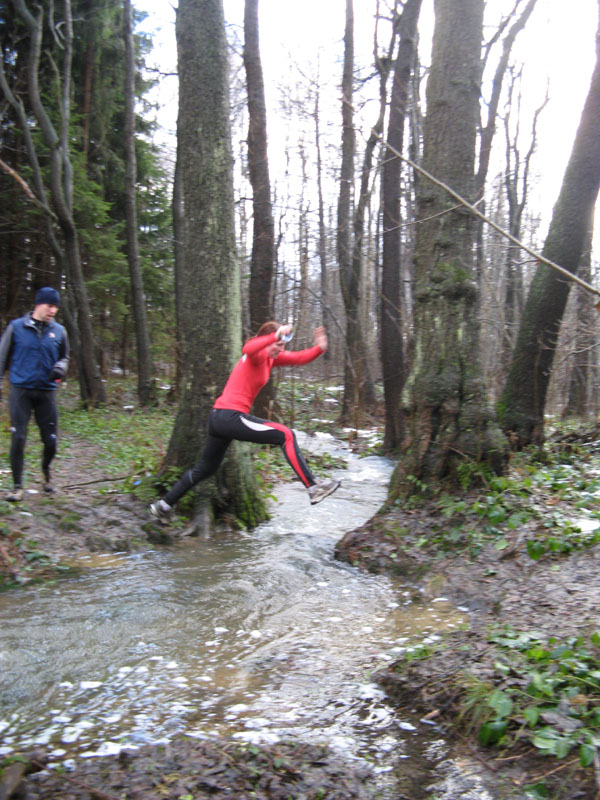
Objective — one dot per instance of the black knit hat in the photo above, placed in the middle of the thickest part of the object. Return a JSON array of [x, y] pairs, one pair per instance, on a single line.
[[47, 295]]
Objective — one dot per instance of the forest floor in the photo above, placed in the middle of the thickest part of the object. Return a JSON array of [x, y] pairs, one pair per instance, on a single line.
[[553, 595]]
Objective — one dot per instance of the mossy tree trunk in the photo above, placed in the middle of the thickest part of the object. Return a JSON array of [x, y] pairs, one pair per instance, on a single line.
[[448, 424], [210, 298], [521, 405]]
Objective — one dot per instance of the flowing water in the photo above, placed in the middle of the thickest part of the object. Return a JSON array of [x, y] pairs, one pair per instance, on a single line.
[[258, 636]]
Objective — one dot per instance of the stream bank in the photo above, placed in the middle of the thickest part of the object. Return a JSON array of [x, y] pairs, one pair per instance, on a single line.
[[553, 597], [557, 597]]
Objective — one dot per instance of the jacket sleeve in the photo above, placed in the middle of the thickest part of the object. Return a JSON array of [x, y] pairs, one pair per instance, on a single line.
[[6, 349], [59, 370], [257, 343], [290, 357]]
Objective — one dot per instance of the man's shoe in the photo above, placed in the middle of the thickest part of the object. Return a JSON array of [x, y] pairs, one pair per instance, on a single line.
[[161, 511], [48, 488], [322, 490], [16, 495]]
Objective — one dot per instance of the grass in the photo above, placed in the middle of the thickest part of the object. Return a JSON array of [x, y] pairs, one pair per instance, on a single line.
[[131, 442], [128, 441]]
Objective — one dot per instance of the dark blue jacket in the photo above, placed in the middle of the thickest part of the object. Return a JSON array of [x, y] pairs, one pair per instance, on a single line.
[[35, 357]]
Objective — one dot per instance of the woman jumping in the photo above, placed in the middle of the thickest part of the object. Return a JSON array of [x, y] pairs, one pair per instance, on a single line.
[[230, 417]]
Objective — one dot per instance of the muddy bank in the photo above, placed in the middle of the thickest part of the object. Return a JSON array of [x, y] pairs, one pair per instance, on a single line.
[[186, 769], [557, 597]]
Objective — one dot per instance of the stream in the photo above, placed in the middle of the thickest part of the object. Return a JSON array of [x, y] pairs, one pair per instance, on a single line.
[[257, 636]]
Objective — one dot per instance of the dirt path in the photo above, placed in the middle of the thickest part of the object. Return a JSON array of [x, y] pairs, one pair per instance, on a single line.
[[87, 514]]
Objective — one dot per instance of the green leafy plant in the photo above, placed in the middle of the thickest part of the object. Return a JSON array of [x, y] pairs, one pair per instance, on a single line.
[[546, 692]]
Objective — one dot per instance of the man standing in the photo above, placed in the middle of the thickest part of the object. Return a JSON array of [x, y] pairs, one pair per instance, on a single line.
[[35, 350]]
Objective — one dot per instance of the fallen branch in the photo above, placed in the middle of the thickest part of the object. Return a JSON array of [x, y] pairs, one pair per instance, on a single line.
[[96, 480]]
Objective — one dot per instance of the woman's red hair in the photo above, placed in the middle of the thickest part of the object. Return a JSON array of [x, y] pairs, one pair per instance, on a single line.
[[268, 327]]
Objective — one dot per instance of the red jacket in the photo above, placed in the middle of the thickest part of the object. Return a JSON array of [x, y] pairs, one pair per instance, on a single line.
[[254, 368]]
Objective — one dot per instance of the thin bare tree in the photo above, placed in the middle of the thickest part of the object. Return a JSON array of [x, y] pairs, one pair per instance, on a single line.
[[145, 386]]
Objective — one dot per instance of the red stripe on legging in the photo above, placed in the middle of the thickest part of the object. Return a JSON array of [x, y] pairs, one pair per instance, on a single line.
[[290, 450]]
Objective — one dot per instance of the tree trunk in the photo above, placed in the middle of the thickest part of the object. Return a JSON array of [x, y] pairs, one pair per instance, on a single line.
[[324, 301], [210, 312], [263, 237], [449, 429], [392, 349], [178, 258], [145, 386], [521, 406], [584, 340], [354, 358], [61, 193]]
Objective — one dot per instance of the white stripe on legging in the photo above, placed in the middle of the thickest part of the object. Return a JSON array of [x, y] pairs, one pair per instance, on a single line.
[[255, 426]]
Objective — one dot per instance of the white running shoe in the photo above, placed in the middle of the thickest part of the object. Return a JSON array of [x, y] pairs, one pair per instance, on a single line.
[[322, 490], [161, 511]]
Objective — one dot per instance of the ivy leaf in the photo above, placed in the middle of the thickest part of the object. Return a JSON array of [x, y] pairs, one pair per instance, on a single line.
[[496, 514], [535, 550], [551, 742], [531, 715], [492, 732], [538, 791], [501, 703], [586, 755]]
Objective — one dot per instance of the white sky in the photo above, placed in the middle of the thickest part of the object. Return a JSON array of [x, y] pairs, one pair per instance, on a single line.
[[558, 46]]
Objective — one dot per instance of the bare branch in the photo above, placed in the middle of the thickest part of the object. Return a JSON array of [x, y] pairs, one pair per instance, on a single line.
[[488, 221]]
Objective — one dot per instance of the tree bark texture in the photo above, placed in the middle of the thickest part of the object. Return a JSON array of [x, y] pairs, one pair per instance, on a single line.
[[392, 347], [210, 312], [145, 386], [583, 341], [521, 405], [263, 235], [349, 281], [449, 427], [261, 272]]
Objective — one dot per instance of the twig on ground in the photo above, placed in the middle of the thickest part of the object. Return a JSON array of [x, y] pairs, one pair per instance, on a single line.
[[96, 480]]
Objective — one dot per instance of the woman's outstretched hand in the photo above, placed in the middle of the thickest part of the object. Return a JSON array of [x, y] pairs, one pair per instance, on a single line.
[[283, 330], [321, 338]]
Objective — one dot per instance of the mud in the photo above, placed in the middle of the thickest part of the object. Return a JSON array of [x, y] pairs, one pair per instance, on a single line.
[[557, 597]]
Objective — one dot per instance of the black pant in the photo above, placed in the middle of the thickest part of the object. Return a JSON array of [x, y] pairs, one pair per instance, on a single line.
[[224, 425], [43, 404]]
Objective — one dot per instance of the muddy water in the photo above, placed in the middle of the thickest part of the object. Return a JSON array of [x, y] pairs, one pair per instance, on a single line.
[[258, 636]]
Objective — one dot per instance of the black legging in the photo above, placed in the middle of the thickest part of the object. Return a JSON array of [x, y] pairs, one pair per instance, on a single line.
[[43, 404], [224, 425]]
